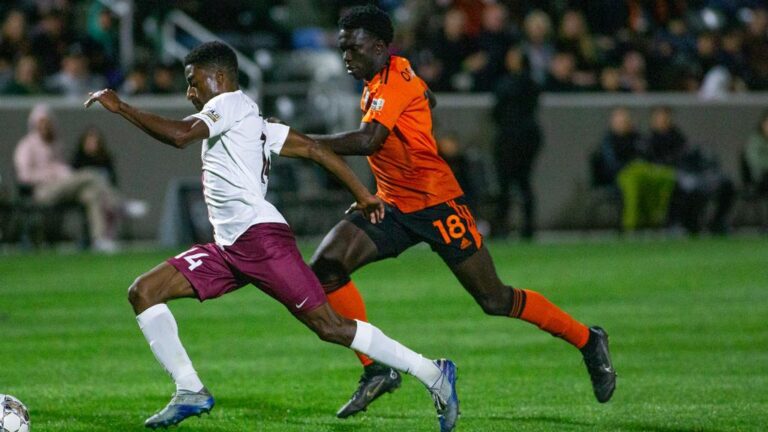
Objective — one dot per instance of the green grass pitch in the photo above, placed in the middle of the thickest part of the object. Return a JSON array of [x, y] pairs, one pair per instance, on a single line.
[[687, 321]]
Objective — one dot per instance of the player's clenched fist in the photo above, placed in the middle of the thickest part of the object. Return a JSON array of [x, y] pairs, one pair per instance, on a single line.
[[107, 97]]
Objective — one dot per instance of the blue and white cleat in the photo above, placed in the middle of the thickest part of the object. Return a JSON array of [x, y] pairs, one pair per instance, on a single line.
[[183, 404], [444, 394]]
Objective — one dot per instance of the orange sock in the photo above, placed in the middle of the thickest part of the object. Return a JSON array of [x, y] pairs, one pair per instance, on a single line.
[[534, 308], [349, 304]]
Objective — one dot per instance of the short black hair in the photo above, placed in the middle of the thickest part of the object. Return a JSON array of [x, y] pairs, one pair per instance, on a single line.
[[214, 54], [371, 19]]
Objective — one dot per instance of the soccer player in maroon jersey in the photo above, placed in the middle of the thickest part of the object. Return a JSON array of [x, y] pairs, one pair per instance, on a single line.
[[253, 243]]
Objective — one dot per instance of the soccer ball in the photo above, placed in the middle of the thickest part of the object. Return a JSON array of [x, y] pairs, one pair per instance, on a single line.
[[13, 415]]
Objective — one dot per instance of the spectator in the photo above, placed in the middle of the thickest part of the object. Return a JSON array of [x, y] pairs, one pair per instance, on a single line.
[[92, 153], [13, 44], [756, 49], [137, 82], [676, 45], [699, 178], [163, 79], [493, 40], [75, 78], [574, 37], [666, 145], [561, 74], [100, 44], [517, 143], [537, 45], [39, 166], [26, 78], [707, 52], [621, 144], [679, 37], [633, 72], [610, 80], [646, 188], [668, 60], [13, 36], [102, 29], [49, 42], [732, 55], [756, 156], [451, 48]]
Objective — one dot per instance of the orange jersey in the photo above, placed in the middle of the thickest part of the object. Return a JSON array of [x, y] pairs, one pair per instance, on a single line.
[[409, 173]]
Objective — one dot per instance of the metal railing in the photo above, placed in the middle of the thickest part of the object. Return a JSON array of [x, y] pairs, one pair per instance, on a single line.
[[172, 47]]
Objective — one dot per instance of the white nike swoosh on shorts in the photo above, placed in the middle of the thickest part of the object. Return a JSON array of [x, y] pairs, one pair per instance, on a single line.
[[299, 305]]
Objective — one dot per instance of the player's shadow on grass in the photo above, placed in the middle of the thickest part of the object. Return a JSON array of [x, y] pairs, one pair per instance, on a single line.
[[254, 409], [537, 420], [259, 407], [645, 427], [550, 420]]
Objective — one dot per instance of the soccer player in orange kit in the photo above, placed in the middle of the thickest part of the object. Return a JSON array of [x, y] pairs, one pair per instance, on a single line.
[[424, 203]]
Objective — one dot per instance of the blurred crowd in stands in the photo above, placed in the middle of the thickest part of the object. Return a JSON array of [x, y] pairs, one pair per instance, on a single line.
[[707, 46], [662, 178], [515, 49], [65, 47]]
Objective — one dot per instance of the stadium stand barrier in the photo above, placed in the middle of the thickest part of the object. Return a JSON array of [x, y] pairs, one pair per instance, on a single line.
[[572, 125]]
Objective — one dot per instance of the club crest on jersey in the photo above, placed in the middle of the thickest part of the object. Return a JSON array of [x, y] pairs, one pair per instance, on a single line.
[[212, 114], [377, 104]]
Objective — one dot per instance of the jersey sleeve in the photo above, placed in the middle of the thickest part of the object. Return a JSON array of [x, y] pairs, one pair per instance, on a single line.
[[221, 113], [391, 99], [275, 134]]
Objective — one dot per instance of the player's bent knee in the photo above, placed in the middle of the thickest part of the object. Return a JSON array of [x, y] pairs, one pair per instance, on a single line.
[[330, 272], [141, 294], [133, 292]]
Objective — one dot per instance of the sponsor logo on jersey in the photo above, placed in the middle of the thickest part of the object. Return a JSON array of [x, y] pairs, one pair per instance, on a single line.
[[377, 104], [212, 114]]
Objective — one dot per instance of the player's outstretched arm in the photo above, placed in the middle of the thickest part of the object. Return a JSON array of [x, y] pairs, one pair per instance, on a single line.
[[362, 142], [299, 145], [176, 133]]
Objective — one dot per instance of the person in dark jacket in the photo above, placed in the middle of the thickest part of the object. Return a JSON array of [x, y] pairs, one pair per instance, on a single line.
[[700, 179], [518, 141], [646, 187], [92, 153]]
